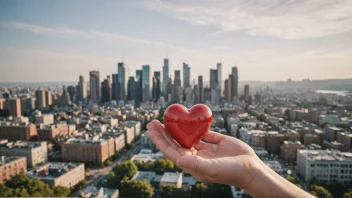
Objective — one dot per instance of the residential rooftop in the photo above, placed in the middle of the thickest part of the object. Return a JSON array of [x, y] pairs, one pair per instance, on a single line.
[[169, 177], [6, 159], [326, 155], [21, 145], [144, 175], [52, 170]]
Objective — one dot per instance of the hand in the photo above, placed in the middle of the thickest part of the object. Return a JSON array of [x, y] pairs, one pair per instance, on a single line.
[[223, 159]]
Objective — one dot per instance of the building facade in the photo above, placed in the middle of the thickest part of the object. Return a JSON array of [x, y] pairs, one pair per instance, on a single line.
[[35, 152], [11, 166]]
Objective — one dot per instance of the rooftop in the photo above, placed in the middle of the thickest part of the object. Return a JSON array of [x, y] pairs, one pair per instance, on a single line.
[[169, 177], [21, 145], [52, 170], [84, 141], [326, 155], [144, 175], [5, 159]]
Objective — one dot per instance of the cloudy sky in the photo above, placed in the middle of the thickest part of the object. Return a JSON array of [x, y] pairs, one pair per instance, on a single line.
[[267, 39]]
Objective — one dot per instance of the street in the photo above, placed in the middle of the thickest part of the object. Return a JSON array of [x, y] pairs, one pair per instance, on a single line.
[[98, 175]]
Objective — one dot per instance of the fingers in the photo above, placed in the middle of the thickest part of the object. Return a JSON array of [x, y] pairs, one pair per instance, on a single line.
[[163, 142], [200, 145], [213, 137], [166, 136], [196, 164]]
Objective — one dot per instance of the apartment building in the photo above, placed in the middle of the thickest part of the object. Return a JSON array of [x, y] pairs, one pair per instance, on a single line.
[[87, 150], [325, 165], [11, 166], [35, 152], [59, 174]]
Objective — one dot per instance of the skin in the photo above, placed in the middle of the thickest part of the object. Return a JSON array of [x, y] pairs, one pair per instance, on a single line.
[[225, 160]]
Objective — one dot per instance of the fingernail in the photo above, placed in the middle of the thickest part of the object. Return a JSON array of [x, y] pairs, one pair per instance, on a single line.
[[149, 126]]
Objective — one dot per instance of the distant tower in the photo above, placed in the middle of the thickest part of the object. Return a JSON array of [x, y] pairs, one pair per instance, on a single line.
[[156, 85], [214, 86], [41, 99], [94, 83], [218, 67], [146, 82], [246, 91], [14, 107], [234, 83], [81, 89], [201, 89], [106, 90], [177, 86], [123, 78], [227, 89], [186, 76], [115, 87], [165, 76]]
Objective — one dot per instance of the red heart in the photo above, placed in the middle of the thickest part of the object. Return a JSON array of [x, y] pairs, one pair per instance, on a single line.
[[185, 126]]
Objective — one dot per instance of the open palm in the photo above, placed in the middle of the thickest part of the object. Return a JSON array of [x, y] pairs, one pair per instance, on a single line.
[[218, 160]]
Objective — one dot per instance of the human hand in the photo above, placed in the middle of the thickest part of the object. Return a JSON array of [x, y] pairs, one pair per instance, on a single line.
[[222, 159]]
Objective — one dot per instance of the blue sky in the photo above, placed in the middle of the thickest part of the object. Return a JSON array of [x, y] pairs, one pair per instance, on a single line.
[[267, 39]]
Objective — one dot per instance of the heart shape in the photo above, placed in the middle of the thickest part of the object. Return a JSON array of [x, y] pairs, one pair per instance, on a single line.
[[187, 126]]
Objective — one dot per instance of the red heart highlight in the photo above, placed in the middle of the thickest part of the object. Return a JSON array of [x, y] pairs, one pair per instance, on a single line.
[[187, 126]]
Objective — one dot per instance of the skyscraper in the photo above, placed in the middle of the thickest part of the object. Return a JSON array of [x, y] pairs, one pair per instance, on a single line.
[[177, 86], [115, 87], [106, 91], [71, 92], [156, 88], [139, 84], [146, 82], [94, 84], [165, 76], [186, 76], [14, 106], [201, 89], [41, 99], [234, 83], [133, 91], [227, 89], [48, 98], [65, 98], [246, 93], [81, 89], [214, 86], [123, 78], [218, 67]]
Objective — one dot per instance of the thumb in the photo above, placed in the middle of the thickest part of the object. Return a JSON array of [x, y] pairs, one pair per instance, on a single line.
[[194, 163]]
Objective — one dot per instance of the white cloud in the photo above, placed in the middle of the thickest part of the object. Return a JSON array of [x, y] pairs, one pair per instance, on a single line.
[[221, 47], [87, 34], [287, 19]]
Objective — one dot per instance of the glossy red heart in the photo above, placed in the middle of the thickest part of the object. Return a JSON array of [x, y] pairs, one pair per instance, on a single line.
[[187, 126]]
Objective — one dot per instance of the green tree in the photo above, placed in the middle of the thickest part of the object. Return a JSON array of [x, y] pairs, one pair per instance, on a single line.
[[200, 190], [337, 189], [61, 191], [5, 191], [320, 191], [120, 171], [136, 189], [347, 195]]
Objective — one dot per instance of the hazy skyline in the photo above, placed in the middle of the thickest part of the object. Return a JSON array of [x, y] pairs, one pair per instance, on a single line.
[[267, 40]]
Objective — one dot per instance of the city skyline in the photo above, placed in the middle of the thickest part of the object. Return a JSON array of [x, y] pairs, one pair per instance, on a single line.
[[66, 42]]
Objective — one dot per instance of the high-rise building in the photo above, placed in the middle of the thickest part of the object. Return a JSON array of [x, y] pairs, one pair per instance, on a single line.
[[177, 86], [106, 91], [227, 89], [48, 98], [133, 91], [186, 76], [81, 89], [71, 92], [139, 84], [166, 77], [94, 83], [157, 90], [201, 89], [146, 82], [170, 90], [65, 98], [246, 93], [218, 67], [123, 78], [115, 87], [41, 99], [214, 86], [234, 83], [14, 106]]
